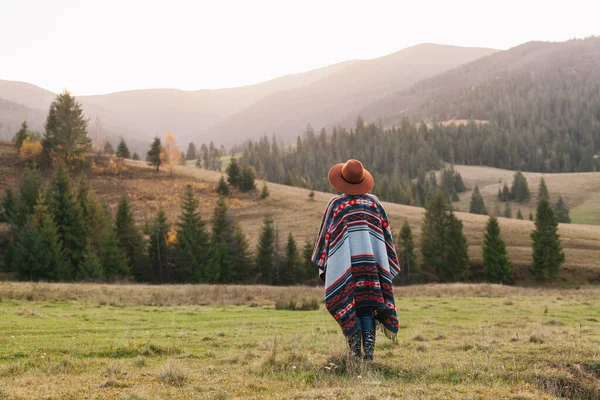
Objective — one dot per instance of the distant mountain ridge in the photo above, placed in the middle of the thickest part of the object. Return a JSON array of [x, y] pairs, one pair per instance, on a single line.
[[283, 106]]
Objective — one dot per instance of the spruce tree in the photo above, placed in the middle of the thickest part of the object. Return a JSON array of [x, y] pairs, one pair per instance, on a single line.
[[191, 250], [96, 216], [456, 257], [507, 210], [265, 191], [407, 256], [91, 267], [191, 152], [265, 252], [65, 137], [459, 185], [241, 261], [530, 216], [29, 191], [122, 149], [67, 215], [506, 196], [247, 179], [9, 207], [135, 157], [234, 173], [222, 187], [496, 265], [109, 149], [131, 242], [289, 274], [477, 205], [158, 249], [543, 190], [519, 214], [562, 212], [309, 271], [112, 257], [38, 253], [153, 155], [547, 254], [21, 135], [520, 189]]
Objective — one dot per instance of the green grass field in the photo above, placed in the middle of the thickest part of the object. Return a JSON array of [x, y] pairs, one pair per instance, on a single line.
[[471, 342], [588, 212]]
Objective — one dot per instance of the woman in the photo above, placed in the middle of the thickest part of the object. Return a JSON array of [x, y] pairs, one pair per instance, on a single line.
[[356, 258]]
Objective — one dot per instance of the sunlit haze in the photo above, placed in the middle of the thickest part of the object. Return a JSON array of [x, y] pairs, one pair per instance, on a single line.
[[92, 47]]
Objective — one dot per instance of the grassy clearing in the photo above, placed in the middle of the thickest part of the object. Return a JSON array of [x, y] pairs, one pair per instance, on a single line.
[[588, 212], [456, 341]]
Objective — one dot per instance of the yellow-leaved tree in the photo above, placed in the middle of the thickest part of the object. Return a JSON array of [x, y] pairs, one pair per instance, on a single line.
[[30, 149], [170, 152]]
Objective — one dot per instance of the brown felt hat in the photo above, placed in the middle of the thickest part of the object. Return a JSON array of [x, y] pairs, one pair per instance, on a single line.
[[351, 178]]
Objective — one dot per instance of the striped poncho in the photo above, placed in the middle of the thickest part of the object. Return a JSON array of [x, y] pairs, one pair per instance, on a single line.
[[356, 253]]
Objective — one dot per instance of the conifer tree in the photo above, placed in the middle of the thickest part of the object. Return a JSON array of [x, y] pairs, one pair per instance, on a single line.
[[240, 256], [112, 257], [135, 157], [91, 267], [506, 196], [459, 185], [153, 156], [29, 191], [311, 195], [543, 190], [496, 265], [109, 149], [547, 253], [456, 257], [507, 210], [477, 205], [122, 149], [520, 189], [38, 253], [96, 217], [191, 250], [265, 191], [21, 135], [234, 173], [222, 187], [67, 215], [519, 214], [131, 242], [530, 216], [247, 179], [561, 212], [9, 207], [265, 252], [158, 249], [407, 256], [309, 271], [191, 152], [289, 268], [65, 137]]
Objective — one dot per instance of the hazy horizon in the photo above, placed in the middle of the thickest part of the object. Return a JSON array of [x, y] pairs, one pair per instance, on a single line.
[[115, 46]]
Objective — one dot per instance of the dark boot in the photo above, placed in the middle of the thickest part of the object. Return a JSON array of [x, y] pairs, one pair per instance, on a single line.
[[354, 344], [368, 342]]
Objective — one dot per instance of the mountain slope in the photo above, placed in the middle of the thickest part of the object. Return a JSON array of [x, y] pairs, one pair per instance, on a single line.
[[325, 102]]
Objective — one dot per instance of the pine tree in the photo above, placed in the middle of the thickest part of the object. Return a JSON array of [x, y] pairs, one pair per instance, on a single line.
[[38, 253], [191, 152], [234, 173], [96, 217], [265, 191], [289, 274], [456, 257], [112, 257], [547, 254], [520, 189], [109, 149], [191, 250], [477, 204], [506, 196], [21, 135], [309, 271], [9, 207], [158, 249], [91, 267], [65, 137], [407, 256], [543, 190], [459, 185], [247, 179], [507, 210], [153, 156], [265, 253], [496, 265], [135, 157], [131, 242], [222, 187], [241, 261], [561, 212], [29, 191], [122, 149], [67, 215], [531, 216], [519, 215]]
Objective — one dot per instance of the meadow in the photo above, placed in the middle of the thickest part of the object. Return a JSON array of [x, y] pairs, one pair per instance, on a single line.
[[95, 341]]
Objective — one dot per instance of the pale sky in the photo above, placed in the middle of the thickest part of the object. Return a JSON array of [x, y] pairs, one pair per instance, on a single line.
[[92, 47]]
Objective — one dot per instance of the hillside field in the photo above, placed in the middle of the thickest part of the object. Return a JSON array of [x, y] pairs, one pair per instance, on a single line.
[[224, 342], [294, 212]]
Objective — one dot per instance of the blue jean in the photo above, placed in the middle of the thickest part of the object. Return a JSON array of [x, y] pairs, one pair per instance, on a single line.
[[365, 319]]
